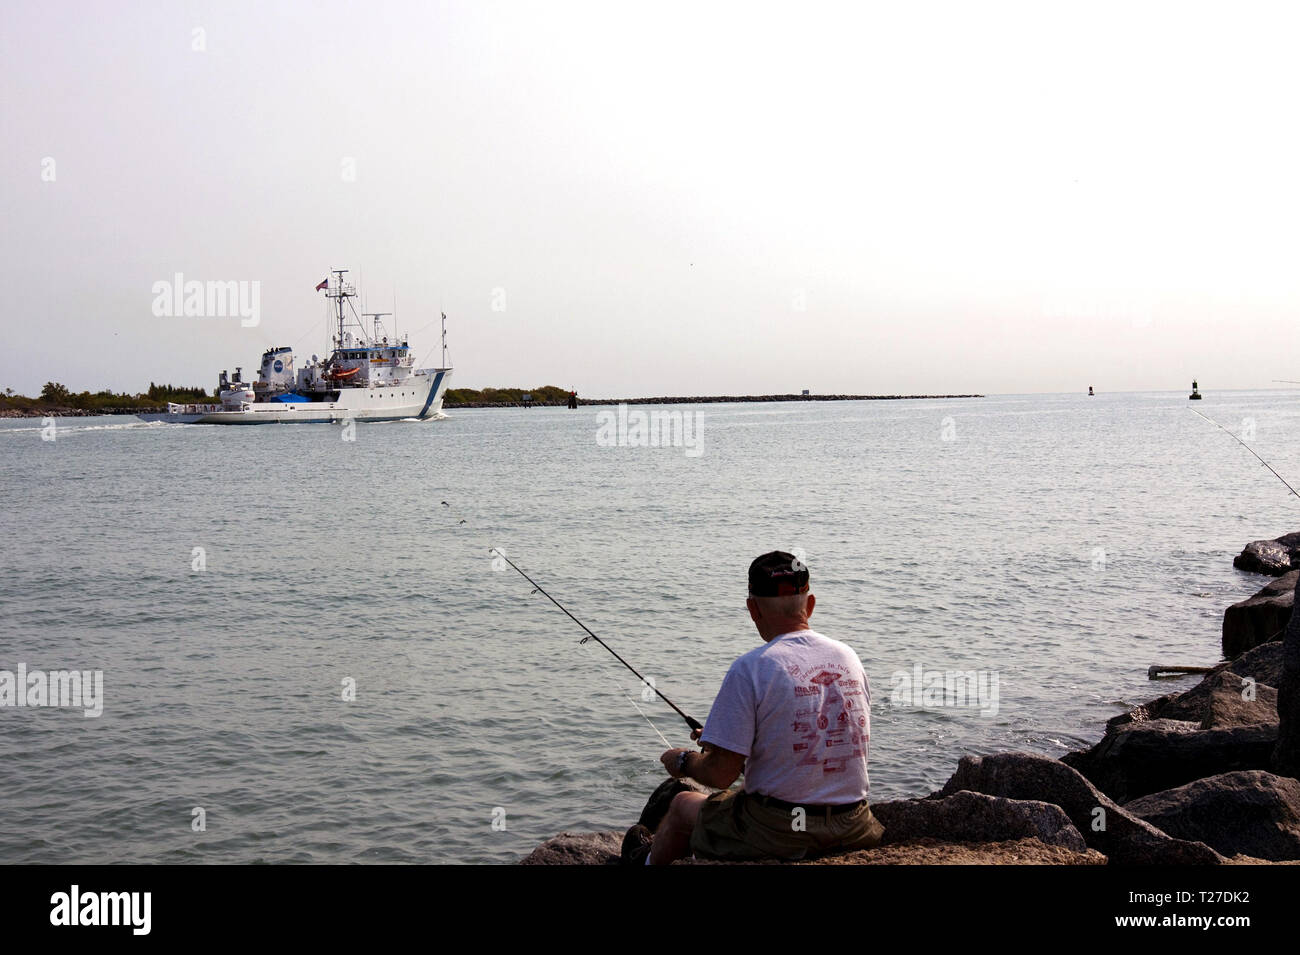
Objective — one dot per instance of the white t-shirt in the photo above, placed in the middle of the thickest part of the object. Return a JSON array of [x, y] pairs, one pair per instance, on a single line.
[[798, 709]]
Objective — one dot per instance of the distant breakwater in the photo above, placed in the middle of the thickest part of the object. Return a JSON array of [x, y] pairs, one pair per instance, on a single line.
[[698, 400]]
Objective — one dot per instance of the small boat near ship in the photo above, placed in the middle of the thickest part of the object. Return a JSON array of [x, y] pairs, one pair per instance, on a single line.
[[363, 379]]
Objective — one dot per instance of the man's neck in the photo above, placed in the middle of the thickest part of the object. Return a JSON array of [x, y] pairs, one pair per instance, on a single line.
[[781, 628]]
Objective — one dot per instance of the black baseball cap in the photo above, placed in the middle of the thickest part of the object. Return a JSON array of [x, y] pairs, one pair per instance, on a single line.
[[777, 574]]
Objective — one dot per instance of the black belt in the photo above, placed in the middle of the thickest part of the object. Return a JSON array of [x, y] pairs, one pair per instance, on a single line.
[[833, 810]]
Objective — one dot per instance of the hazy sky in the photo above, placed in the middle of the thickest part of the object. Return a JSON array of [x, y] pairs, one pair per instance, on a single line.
[[666, 198]]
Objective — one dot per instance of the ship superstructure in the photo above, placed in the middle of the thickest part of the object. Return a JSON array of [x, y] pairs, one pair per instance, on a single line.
[[367, 376]]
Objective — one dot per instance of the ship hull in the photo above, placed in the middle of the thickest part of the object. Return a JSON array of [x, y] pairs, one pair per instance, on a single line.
[[419, 396]]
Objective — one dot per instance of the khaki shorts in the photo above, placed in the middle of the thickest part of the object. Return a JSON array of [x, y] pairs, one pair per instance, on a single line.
[[735, 826]]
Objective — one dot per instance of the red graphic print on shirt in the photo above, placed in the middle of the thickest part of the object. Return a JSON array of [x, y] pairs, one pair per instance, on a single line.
[[830, 717]]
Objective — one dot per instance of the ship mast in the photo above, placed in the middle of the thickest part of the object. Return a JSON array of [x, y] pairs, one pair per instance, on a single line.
[[339, 292]]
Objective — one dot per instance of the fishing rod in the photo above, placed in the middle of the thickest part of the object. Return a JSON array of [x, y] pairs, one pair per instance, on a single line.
[[693, 723], [1248, 448]]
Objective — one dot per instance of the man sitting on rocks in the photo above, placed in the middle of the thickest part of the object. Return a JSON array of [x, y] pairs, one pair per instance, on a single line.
[[793, 716]]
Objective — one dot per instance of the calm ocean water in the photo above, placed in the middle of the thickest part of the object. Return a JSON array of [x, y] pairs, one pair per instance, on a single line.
[[1061, 542]]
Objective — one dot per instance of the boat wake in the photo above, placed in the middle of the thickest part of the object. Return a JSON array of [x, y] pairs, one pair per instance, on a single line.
[[62, 429]]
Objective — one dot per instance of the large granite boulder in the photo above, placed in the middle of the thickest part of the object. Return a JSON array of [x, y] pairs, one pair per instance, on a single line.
[[1141, 758], [1274, 558], [976, 817], [1190, 705], [1286, 757], [1250, 813], [1235, 701], [1263, 664], [1260, 618], [577, 848], [1104, 825]]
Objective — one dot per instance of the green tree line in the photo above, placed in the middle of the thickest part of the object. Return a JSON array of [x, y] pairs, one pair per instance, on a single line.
[[56, 395]]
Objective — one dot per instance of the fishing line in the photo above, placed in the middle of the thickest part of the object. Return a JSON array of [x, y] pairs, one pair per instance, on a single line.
[[693, 723], [643, 713], [1248, 448]]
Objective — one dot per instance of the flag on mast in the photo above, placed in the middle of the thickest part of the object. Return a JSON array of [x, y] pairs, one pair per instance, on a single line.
[[325, 284]]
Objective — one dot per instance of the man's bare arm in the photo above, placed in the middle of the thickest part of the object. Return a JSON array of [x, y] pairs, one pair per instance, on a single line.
[[716, 767]]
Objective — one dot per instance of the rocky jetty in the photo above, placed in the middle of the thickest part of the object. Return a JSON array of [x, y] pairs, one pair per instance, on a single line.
[[1252, 813], [1272, 557], [737, 399], [1142, 758], [972, 816], [1260, 618], [1205, 776], [601, 848], [1286, 757], [694, 400], [577, 848], [1105, 826]]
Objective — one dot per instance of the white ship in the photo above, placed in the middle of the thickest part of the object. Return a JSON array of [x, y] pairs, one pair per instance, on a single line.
[[363, 379]]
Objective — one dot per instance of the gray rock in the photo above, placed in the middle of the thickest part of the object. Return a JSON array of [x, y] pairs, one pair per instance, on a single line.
[[1104, 825], [1261, 618], [1235, 701], [1264, 663], [1092, 762], [1142, 758], [1250, 813], [1142, 713], [1273, 557], [1286, 757], [975, 817], [577, 848], [1190, 705]]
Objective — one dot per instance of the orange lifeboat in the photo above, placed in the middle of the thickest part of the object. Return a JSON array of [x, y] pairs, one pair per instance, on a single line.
[[342, 373]]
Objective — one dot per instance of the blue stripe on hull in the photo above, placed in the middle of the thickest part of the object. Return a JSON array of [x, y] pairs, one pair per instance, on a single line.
[[433, 393]]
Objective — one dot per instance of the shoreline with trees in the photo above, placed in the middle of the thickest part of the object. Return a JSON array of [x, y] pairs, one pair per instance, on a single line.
[[56, 400]]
